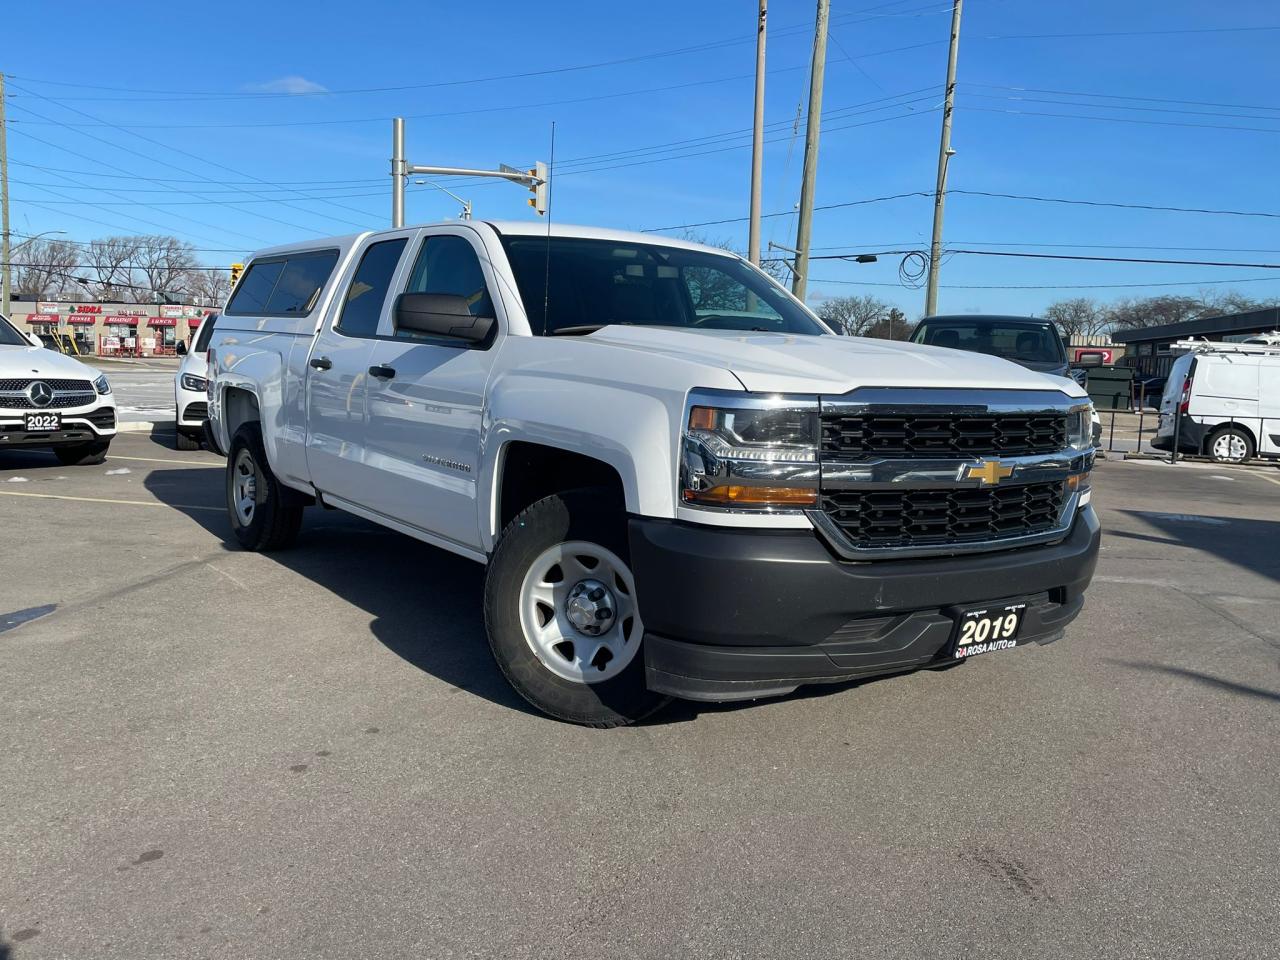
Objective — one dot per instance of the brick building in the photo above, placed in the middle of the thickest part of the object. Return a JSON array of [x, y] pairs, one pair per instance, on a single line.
[[109, 329]]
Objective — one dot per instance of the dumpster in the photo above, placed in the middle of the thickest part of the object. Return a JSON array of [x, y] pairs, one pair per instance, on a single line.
[[1111, 388]]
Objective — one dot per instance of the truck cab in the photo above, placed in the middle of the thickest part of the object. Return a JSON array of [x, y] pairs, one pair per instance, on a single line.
[[681, 481]]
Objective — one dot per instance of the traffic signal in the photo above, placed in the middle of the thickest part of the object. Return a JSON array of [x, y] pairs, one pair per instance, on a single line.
[[540, 188], [236, 270]]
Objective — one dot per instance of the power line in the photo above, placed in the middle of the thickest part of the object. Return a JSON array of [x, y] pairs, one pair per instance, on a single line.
[[1125, 106], [1123, 33], [1057, 286], [86, 243], [1149, 123], [951, 251], [1117, 96], [787, 213], [1107, 203]]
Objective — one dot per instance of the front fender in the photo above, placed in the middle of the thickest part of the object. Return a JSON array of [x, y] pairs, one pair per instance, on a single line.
[[240, 363]]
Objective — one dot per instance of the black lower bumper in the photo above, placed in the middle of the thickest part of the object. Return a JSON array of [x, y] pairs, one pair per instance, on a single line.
[[737, 614], [72, 433]]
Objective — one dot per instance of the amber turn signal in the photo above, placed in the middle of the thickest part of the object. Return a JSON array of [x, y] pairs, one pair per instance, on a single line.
[[733, 494]]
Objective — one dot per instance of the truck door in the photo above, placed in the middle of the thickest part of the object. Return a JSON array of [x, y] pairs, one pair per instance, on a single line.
[[338, 368], [426, 397]]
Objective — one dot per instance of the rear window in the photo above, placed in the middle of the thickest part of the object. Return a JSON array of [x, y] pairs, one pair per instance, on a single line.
[[287, 286]]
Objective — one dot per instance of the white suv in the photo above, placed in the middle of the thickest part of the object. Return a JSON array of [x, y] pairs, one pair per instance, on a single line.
[[191, 404]]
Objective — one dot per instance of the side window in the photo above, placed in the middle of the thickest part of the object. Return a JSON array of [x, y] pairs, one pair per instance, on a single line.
[[368, 291], [449, 265], [300, 283], [255, 287]]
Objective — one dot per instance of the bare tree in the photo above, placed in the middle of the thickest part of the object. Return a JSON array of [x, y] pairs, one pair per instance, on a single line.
[[208, 286], [165, 263], [1077, 317], [892, 326], [46, 267], [111, 258], [854, 316]]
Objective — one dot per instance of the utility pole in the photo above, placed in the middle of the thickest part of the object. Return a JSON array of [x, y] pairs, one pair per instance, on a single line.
[[757, 140], [4, 208], [944, 161], [804, 225]]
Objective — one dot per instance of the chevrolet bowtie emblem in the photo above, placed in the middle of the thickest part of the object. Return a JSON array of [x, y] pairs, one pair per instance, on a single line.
[[990, 472]]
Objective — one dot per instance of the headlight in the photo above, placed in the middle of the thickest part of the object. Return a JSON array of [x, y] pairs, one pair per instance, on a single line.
[[191, 382], [749, 452], [1080, 427], [102, 385]]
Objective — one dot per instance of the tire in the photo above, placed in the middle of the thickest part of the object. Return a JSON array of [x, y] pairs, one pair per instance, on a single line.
[[186, 441], [594, 678], [82, 454], [1229, 445], [265, 515]]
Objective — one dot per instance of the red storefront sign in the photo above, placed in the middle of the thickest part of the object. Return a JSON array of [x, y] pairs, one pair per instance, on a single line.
[[161, 322], [36, 318], [82, 320], [128, 321], [193, 322]]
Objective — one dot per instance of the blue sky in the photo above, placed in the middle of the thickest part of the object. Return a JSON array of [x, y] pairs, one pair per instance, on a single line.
[[658, 127]]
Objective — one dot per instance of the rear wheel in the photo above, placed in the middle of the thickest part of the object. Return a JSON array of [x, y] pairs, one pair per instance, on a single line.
[[561, 612], [1230, 445], [82, 454], [265, 514]]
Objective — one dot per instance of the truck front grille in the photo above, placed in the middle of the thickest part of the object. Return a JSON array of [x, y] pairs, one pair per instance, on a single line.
[[944, 516], [862, 435]]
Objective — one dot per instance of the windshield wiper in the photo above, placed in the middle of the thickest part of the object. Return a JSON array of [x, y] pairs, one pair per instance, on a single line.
[[578, 331]]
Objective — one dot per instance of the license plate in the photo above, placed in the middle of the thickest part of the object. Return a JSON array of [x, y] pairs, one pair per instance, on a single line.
[[42, 422], [992, 628]]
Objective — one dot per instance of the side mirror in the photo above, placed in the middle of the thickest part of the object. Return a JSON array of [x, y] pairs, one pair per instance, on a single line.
[[440, 315], [34, 339], [181, 348]]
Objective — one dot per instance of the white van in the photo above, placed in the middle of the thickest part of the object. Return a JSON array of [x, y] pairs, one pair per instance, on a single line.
[[1229, 396]]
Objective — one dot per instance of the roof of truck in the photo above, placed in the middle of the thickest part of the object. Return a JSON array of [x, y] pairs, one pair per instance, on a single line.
[[511, 228]]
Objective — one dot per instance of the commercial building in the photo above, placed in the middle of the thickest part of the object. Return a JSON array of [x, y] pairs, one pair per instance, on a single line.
[[1148, 351], [110, 329]]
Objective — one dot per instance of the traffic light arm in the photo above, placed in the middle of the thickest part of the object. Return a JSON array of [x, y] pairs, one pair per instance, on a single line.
[[536, 179]]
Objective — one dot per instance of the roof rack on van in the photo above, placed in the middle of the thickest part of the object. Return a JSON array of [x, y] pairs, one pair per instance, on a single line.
[[1216, 346]]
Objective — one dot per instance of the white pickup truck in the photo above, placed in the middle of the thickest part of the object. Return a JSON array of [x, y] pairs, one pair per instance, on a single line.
[[682, 483]]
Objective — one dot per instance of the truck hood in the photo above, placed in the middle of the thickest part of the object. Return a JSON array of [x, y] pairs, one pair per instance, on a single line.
[[18, 361], [786, 363]]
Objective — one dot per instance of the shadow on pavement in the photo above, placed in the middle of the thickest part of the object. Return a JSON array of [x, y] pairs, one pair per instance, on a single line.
[[1245, 543], [1196, 676], [427, 605]]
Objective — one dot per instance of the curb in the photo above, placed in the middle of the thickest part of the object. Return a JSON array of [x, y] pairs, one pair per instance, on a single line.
[[140, 426]]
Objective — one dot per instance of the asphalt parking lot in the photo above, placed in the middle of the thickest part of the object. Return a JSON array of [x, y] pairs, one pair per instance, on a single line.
[[310, 754]]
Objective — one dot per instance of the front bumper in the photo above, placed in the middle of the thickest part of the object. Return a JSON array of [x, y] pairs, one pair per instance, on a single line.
[[78, 426], [738, 614]]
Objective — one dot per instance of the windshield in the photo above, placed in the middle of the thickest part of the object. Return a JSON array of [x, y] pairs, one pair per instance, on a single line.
[[9, 335], [1021, 342], [599, 282]]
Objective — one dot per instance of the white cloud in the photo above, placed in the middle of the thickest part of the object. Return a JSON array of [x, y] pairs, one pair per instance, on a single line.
[[290, 84]]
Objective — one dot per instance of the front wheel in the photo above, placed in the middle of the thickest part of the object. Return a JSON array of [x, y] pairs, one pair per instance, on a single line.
[[562, 614], [82, 454], [185, 441], [265, 514], [1230, 445]]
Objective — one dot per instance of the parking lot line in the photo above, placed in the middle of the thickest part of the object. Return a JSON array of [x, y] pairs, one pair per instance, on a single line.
[[194, 463], [1263, 476], [132, 503]]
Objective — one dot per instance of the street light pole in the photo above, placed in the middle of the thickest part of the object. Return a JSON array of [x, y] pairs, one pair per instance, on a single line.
[[945, 154], [4, 208], [397, 172], [757, 141]]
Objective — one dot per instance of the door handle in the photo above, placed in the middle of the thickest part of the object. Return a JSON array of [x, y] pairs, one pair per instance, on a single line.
[[321, 363], [381, 372]]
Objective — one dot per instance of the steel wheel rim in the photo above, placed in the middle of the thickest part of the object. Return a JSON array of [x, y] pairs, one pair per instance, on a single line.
[[551, 613], [244, 487], [1229, 446]]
